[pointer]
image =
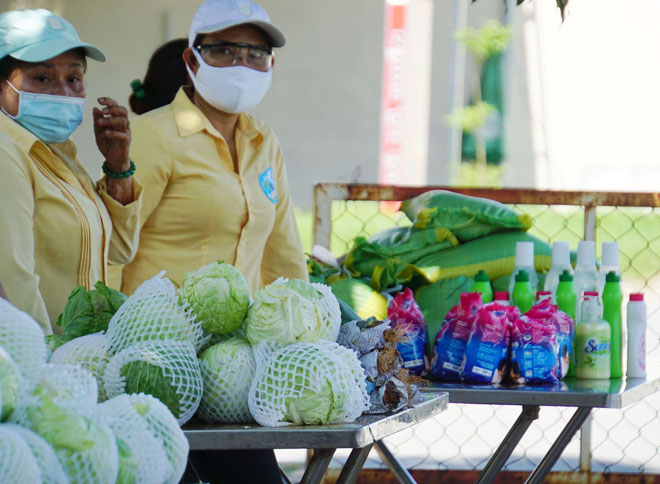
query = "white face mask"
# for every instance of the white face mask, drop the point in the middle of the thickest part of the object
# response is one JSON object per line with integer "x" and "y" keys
{"x": 233, "y": 89}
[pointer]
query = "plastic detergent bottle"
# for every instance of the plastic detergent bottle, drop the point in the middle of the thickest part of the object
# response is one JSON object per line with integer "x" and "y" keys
{"x": 524, "y": 261}
{"x": 592, "y": 340}
{"x": 523, "y": 294}
{"x": 482, "y": 285}
{"x": 636, "y": 322}
{"x": 561, "y": 261}
{"x": 502, "y": 297}
{"x": 612, "y": 299}
{"x": 609, "y": 263}
{"x": 566, "y": 302}
{"x": 586, "y": 275}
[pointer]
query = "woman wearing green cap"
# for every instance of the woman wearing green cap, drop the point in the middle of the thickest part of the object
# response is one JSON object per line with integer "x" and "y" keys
{"x": 59, "y": 228}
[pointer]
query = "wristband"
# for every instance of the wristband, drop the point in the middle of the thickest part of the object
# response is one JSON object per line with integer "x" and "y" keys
{"x": 114, "y": 174}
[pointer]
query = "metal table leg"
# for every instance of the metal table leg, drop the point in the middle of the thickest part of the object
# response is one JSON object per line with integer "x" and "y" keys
{"x": 353, "y": 466}
{"x": 503, "y": 452}
{"x": 394, "y": 464}
{"x": 317, "y": 466}
{"x": 573, "y": 425}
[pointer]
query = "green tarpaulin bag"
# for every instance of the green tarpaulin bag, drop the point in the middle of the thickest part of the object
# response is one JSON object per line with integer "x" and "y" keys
{"x": 495, "y": 254}
{"x": 361, "y": 297}
{"x": 466, "y": 217}
{"x": 387, "y": 255}
{"x": 435, "y": 301}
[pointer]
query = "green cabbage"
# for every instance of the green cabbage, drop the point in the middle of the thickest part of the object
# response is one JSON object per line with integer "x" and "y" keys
{"x": 128, "y": 463}
{"x": 228, "y": 368}
{"x": 88, "y": 312}
{"x": 313, "y": 407}
{"x": 9, "y": 379}
{"x": 143, "y": 377}
{"x": 281, "y": 315}
{"x": 218, "y": 296}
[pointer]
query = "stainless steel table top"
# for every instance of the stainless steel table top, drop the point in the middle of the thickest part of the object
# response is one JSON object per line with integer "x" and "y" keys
{"x": 366, "y": 430}
{"x": 570, "y": 392}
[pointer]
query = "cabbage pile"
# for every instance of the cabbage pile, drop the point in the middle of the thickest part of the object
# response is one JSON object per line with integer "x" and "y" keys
{"x": 52, "y": 428}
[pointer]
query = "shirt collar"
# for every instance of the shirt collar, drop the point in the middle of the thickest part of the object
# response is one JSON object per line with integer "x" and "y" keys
{"x": 26, "y": 140}
{"x": 190, "y": 120}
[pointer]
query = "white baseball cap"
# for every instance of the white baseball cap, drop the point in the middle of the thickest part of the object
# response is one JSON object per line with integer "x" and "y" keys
{"x": 216, "y": 15}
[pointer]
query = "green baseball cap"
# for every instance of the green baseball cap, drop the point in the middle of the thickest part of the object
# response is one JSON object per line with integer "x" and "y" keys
{"x": 35, "y": 35}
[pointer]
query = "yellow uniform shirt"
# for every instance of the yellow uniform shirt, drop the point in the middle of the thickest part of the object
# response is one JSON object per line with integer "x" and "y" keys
{"x": 197, "y": 209}
{"x": 58, "y": 230}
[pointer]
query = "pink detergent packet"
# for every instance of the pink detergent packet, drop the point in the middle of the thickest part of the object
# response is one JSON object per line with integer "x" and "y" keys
{"x": 487, "y": 351}
{"x": 404, "y": 313}
{"x": 451, "y": 341}
{"x": 533, "y": 351}
{"x": 549, "y": 314}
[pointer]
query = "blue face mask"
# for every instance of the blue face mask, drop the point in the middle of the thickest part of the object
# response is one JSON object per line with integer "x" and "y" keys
{"x": 50, "y": 118}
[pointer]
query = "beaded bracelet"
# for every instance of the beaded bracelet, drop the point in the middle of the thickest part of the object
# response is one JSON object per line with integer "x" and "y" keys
{"x": 114, "y": 174}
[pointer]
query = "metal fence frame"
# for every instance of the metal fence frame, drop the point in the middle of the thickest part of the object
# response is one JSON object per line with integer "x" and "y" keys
{"x": 326, "y": 193}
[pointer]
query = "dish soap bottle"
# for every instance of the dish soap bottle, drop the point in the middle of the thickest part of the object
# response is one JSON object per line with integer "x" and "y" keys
{"x": 523, "y": 294}
{"x": 566, "y": 302}
{"x": 524, "y": 261}
{"x": 561, "y": 261}
{"x": 636, "y": 322}
{"x": 592, "y": 340}
{"x": 586, "y": 275}
{"x": 482, "y": 285}
{"x": 612, "y": 298}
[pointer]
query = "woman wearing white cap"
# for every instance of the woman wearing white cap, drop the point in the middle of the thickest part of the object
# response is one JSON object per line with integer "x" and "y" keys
{"x": 59, "y": 229}
{"x": 215, "y": 185}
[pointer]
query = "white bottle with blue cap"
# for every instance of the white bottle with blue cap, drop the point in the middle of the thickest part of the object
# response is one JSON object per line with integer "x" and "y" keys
{"x": 524, "y": 261}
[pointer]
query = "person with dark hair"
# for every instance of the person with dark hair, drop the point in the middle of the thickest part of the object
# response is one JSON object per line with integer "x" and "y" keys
{"x": 515, "y": 374}
{"x": 215, "y": 182}
{"x": 165, "y": 74}
{"x": 500, "y": 373}
{"x": 59, "y": 228}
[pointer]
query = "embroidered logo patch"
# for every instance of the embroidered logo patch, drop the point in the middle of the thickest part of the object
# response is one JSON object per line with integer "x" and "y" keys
{"x": 267, "y": 183}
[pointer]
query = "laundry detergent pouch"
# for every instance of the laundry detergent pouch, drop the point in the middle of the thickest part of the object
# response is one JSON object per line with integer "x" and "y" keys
{"x": 405, "y": 315}
{"x": 451, "y": 341}
{"x": 487, "y": 350}
{"x": 548, "y": 313}
{"x": 533, "y": 351}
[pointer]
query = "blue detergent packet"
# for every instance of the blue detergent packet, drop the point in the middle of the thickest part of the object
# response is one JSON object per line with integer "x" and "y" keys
{"x": 533, "y": 352}
{"x": 451, "y": 341}
{"x": 487, "y": 351}
{"x": 549, "y": 314}
{"x": 406, "y": 316}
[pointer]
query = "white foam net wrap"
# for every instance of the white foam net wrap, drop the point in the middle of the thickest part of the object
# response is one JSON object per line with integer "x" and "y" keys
{"x": 306, "y": 383}
{"x": 91, "y": 352}
{"x": 153, "y": 313}
{"x": 23, "y": 339}
{"x": 162, "y": 425}
{"x": 10, "y": 381}
{"x": 168, "y": 370}
{"x": 153, "y": 466}
{"x": 49, "y": 466}
{"x": 17, "y": 464}
{"x": 227, "y": 368}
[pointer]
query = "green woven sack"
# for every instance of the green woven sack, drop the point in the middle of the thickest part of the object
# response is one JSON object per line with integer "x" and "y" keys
{"x": 466, "y": 217}
{"x": 387, "y": 255}
{"x": 495, "y": 254}
{"x": 361, "y": 297}
{"x": 435, "y": 301}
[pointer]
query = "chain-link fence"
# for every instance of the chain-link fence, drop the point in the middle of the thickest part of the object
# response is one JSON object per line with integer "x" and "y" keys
{"x": 465, "y": 436}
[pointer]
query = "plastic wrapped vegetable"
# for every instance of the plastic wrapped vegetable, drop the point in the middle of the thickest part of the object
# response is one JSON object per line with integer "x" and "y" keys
{"x": 218, "y": 296}
{"x": 9, "y": 381}
{"x": 168, "y": 370}
{"x": 153, "y": 313}
{"x": 227, "y": 368}
{"x": 22, "y": 337}
{"x": 307, "y": 383}
{"x": 17, "y": 464}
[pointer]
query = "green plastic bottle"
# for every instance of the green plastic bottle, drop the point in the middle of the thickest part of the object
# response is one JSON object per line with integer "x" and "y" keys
{"x": 566, "y": 302}
{"x": 482, "y": 285}
{"x": 523, "y": 294}
{"x": 612, "y": 299}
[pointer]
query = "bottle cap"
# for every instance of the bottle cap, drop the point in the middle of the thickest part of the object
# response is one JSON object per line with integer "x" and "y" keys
{"x": 524, "y": 254}
{"x": 522, "y": 276}
{"x": 586, "y": 253}
{"x": 591, "y": 293}
{"x": 566, "y": 276}
{"x": 637, "y": 296}
{"x": 501, "y": 295}
{"x": 561, "y": 253}
{"x": 481, "y": 277}
{"x": 612, "y": 277}
{"x": 540, "y": 295}
{"x": 610, "y": 256}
